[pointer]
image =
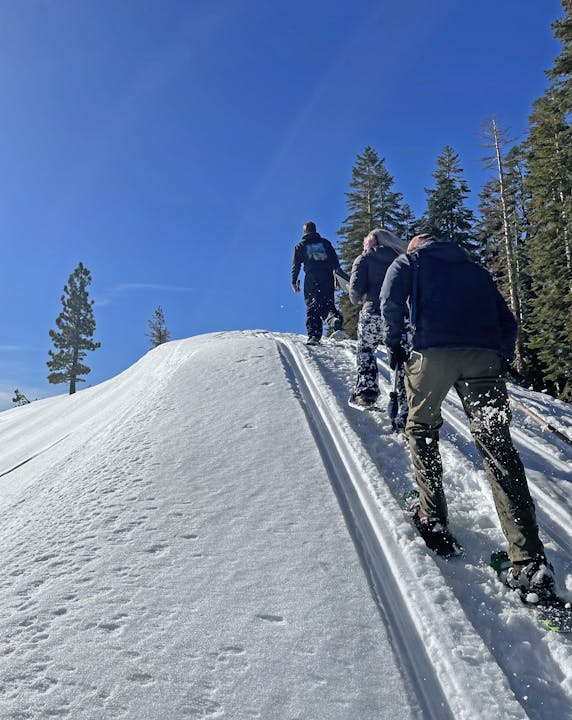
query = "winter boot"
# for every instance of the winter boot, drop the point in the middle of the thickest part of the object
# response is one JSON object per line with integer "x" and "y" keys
{"x": 399, "y": 424}
{"x": 339, "y": 335}
{"x": 436, "y": 536}
{"x": 365, "y": 399}
{"x": 534, "y": 579}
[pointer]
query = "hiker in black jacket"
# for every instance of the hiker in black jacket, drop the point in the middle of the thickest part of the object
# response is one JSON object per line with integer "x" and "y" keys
{"x": 380, "y": 248}
{"x": 319, "y": 259}
{"x": 462, "y": 335}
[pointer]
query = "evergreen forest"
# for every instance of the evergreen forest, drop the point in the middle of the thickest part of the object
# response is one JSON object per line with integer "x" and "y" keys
{"x": 521, "y": 231}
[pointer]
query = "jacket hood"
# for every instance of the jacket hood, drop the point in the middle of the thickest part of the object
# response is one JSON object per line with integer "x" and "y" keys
{"x": 312, "y": 236}
{"x": 443, "y": 251}
{"x": 400, "y": 246}
{"x": 381, "y": 254}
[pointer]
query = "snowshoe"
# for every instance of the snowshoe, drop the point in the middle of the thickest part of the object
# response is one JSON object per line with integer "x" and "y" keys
{"x": 436, "y": 536}
{"x": 398, "y": 425}
{"x": 338, "y": 335}
{"x": 533, "y": 583}
{"x": 313, "y": 341}
{"x": 365, "y": 400}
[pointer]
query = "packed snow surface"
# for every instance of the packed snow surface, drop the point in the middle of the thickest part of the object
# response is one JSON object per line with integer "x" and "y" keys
{"x": 215, "y": 533}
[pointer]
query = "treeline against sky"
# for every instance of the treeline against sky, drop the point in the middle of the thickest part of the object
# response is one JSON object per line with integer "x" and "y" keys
{"x": 521, "y": 232}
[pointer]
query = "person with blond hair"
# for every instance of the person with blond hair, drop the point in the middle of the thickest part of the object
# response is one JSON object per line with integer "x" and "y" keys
{"x": 380, "y": 248}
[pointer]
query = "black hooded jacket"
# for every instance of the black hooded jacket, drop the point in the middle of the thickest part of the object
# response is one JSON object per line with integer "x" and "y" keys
{"x": 366, "y": 279}
{"x": 319, "y": 259}
{"x": 454, "y": 302}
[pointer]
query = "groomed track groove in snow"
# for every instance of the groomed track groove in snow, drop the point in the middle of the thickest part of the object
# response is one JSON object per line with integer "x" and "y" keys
{"x": 32, "y": 457}
{"x": 440, "y": 689}
{"x": 406, "y": 641}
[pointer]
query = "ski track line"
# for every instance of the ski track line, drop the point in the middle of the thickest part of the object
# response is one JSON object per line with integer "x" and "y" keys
{"x": 32, "y": 457}
{"x": 447, "y": 683}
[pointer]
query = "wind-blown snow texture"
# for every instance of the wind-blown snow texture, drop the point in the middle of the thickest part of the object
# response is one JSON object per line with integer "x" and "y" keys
{"x": 215, "y": 533}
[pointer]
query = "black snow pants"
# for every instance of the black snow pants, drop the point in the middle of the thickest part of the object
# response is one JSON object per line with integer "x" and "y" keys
{"x": 320, "y": 308}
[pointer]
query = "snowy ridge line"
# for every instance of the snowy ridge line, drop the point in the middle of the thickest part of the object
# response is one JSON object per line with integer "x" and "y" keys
{"x": 420, "y": 630}
{"x": 106, "y": 392}
{"x": 32, "y": 457}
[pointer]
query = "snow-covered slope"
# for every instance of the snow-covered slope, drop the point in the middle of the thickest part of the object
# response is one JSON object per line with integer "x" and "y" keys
{"x": 215, "y": 533}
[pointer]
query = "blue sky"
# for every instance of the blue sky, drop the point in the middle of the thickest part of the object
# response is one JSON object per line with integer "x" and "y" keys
{"x": 175, "y": 147}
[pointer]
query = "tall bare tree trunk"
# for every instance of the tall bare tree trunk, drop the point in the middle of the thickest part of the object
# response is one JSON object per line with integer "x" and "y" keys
{"x": 509, "y": 251}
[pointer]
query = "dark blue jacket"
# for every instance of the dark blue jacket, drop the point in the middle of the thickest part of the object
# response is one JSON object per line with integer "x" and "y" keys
{"x": 319, "y": 259}
{"x": 453, "y": 302}
{"x": 367, "y": 275}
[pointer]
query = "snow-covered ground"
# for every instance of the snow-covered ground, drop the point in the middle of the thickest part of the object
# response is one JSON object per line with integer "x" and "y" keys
{"x": 215, "y": 533}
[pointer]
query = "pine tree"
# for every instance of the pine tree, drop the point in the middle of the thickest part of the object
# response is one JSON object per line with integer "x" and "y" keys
{"x": 549, "y": 183}
{"x": 372, "y": 203}
{"x": 158, "y": 329}
{"x": 408, "y": 224}
{"x": 76, "y": 326}
{"x": 490, "y": 230}
{"x": 561, "y": 71}
{"x": 447, "y": 216}
{"x": 561, "y": 92}
{"x": 493, "y": 227}
{"x": 390, "y": 212}
{"x": 495, "y": 223}
{"x": 19, "y": 398}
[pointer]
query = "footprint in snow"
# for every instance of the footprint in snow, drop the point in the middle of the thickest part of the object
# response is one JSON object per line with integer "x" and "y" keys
{"x": 157, "y": 548}
{"x": 141, "y": 678}
{"x": 271, "y": 618}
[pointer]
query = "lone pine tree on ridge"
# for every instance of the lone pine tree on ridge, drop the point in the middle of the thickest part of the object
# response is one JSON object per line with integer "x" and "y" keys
{"x": 76, "y": 326}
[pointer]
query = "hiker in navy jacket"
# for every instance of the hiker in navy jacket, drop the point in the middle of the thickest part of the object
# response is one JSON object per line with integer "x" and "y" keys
{"x": 457, "y": 303}
{"x": 380, "y": 249}
{"x": 463, "y": 332}
{"x": 319, "y": 259}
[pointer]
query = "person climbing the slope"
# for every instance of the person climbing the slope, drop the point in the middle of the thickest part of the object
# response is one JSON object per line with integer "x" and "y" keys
{"x": 462, "y": 335}
{"x": 380, "y": 248}
{"x": 319, "y": 259}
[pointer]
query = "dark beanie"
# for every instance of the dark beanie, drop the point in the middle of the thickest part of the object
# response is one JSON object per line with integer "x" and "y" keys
{"x": 309, "y": 227}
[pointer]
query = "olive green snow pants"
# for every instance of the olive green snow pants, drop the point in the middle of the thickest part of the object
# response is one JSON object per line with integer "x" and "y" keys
{"x": 475, "y": 375}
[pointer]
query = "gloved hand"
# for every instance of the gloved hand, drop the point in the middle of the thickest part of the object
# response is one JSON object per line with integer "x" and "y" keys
{"x": 509, "y": 372}
{"x": 506, "y": 366}
{"x": 396, "y": 355}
